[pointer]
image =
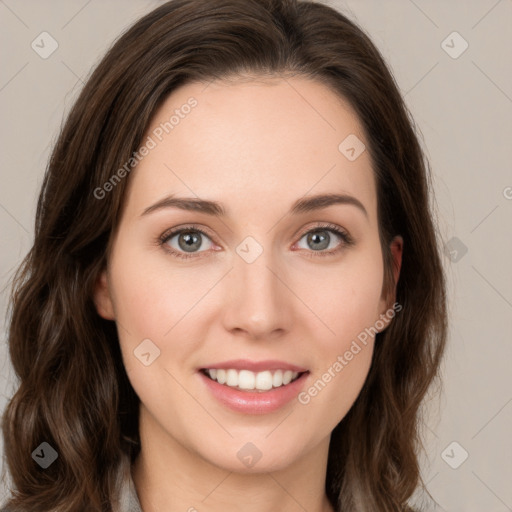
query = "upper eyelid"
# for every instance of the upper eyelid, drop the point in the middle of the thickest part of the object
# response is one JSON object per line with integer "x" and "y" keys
{"x": 188, "y": 227}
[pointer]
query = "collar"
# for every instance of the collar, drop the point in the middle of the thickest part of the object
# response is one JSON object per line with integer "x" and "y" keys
{"x": 128, "y": 498}
{"x": 133, "y": 499}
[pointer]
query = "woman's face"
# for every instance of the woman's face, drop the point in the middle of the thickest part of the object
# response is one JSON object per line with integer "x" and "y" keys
{"x": 268, "y": 291}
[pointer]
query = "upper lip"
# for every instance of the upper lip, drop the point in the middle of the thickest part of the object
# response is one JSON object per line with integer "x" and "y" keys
{"x": 255, "y": 366}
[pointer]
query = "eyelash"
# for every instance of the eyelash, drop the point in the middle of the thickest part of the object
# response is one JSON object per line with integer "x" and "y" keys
{"x": 346, "y": 238}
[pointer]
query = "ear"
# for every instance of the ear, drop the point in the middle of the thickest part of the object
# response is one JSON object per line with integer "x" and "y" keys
{"x": 396, "y": 248}
{"x": 102, "y": 297}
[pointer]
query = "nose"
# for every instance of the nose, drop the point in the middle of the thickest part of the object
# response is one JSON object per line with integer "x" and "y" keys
{"x": 259, "y": 305}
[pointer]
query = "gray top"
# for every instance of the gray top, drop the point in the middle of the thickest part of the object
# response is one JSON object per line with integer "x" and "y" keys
{"x": 133, "y": 502}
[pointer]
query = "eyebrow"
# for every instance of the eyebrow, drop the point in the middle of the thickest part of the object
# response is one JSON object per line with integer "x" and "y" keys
{"x": 302, "y": 205}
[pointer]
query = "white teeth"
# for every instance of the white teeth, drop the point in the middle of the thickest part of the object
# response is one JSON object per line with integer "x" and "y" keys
{"x": 221, "y": 376}
{"x": 277, "y": 378}
{"x": 264, "y": 381}
{"x": 232, "y": 378}
{"x": 247, "y": 380}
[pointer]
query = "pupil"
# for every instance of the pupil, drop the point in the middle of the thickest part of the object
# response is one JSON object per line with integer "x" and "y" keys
{"x": 189, "y": 241}
{"x": 316, "y": 237}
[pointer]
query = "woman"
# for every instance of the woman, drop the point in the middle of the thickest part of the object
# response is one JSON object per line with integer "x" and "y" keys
{"x": 235, "y": 297}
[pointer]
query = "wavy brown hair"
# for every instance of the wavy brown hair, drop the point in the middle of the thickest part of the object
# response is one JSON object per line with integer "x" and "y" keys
{"x": 73, "y": 391}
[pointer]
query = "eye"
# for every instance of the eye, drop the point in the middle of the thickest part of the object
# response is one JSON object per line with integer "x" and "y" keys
{"x": 319, "y": 239}
{"x": 187, "y": 240}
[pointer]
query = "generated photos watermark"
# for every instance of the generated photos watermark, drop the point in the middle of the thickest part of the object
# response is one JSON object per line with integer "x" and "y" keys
{"x": 342, "y": 361}
{"x": 151, "y": 142}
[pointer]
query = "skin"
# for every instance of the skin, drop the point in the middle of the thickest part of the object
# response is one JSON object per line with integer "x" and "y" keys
{"x": 255, "y": 146}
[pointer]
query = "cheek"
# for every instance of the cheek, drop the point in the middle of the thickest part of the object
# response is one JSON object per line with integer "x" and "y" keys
{"x": 347, "y": 300}
{"x": 151, "y": 296}
{"x": 151, "y": 304}
{"x": 342, "y": 359}
{"x": 349, "y": 309}
{"x": 333, "y": 391}
{"x": 161, "y": 303}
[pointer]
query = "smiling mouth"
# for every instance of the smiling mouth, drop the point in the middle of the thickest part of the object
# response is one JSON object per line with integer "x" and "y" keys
{"x": 246, "y": 380}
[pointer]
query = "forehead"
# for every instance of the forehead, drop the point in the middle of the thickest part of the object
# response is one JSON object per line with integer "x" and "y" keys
{"x": 248, "y": 143}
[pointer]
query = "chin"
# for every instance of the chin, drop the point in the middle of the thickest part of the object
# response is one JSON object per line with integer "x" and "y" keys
{"x": 254, "y": 457}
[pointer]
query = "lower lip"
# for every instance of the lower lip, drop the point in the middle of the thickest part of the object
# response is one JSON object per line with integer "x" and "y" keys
{"x": 254, "y": 402}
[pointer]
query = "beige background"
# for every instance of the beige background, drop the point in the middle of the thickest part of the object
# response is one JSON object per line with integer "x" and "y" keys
{"x": 463, "y": 108}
